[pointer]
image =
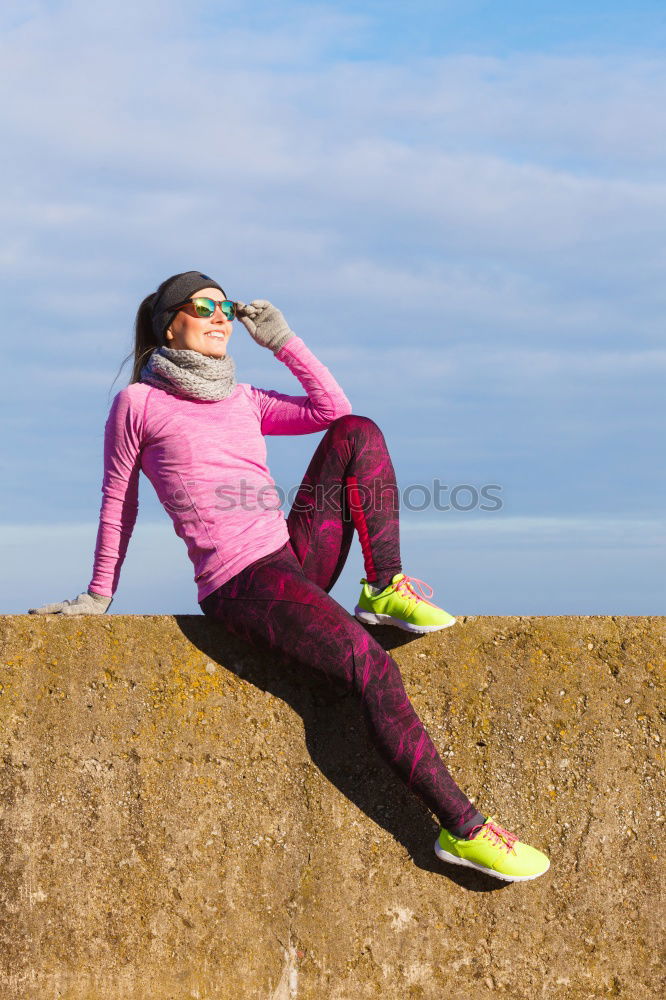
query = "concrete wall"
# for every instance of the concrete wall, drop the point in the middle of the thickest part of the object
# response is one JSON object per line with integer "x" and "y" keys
{"x": 183, "y": 818}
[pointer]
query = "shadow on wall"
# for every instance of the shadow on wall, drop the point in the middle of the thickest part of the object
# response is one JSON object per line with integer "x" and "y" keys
{"x": 338, "y": 741}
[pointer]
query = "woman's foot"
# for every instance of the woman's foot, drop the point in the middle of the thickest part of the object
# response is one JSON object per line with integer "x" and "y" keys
{"x": 493, "y": 850}
{"x": 399, "y": 604}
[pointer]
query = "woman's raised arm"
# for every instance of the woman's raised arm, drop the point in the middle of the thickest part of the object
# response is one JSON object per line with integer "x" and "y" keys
{"x": 282, "y": 414}
{"x": 325, "y": 401}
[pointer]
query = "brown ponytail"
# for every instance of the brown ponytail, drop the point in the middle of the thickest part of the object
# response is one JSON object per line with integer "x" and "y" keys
{"x": 144, "y": 338}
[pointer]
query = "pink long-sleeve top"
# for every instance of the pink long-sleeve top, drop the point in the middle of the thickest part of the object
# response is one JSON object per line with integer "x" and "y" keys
{"x": 207, "y": 463}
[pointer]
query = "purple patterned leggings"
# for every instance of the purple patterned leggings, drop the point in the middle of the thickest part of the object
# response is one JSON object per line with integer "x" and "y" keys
{"x": 282, "y": 599}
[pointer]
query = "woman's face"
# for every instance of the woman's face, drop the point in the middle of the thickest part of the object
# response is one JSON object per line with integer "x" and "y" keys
{"x": 189, "y": 332}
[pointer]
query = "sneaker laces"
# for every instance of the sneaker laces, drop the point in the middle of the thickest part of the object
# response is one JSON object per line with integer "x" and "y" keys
{"x": 405, "y": 588}
{"x": 496, "y": 834}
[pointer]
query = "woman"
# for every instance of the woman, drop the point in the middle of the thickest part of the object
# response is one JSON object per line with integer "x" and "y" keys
{"x": 199, "y": 437}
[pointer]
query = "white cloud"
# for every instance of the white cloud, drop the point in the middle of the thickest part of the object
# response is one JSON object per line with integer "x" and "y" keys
{"x": 138, "y": 152}
{"x": 147, "y": 128}
{"x": 548, "y": 106}
{"x": 458, "y": 363}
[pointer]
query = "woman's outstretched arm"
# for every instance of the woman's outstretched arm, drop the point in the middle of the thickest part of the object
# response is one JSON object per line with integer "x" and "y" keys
{"x": 120, "y": 491}
{"x": 117, "y": 515}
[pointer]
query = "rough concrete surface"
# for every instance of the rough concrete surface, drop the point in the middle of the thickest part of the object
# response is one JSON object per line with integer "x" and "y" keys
{"x": 184, "y": 817}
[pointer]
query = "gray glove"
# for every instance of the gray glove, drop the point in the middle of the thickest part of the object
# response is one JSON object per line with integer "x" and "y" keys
{"x": 86, "y": 603}
{"x": 265, "y": 324}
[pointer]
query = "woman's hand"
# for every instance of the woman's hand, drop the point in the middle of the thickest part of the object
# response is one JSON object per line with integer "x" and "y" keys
{"x": 86, "y": 603}
{"x": 264, "y": 323}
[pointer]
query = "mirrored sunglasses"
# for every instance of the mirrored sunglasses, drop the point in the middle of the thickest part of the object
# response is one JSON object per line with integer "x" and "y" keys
{"x": 205, "y": 307}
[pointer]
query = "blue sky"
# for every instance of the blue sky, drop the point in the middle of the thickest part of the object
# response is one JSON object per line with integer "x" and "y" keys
{"x": 459, "y": 206}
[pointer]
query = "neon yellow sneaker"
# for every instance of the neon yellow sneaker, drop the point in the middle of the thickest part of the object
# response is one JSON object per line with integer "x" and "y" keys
{"x": 494, "y": 851}
{"x": 399, "y": 604}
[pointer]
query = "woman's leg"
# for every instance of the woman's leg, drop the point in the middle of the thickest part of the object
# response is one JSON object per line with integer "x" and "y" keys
{"x": 274, "y": 602}
{"x": 349, "y": 483}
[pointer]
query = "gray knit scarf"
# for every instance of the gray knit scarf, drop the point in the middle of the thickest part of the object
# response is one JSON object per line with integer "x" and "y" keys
{"x": 189, "y": 374}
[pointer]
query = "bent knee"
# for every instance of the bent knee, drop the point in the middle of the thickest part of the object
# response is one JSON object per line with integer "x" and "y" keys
{"x": 353, "y": 422}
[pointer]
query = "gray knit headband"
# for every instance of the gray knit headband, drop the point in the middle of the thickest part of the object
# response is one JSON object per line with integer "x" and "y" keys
{"x": 172, "y": 292}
